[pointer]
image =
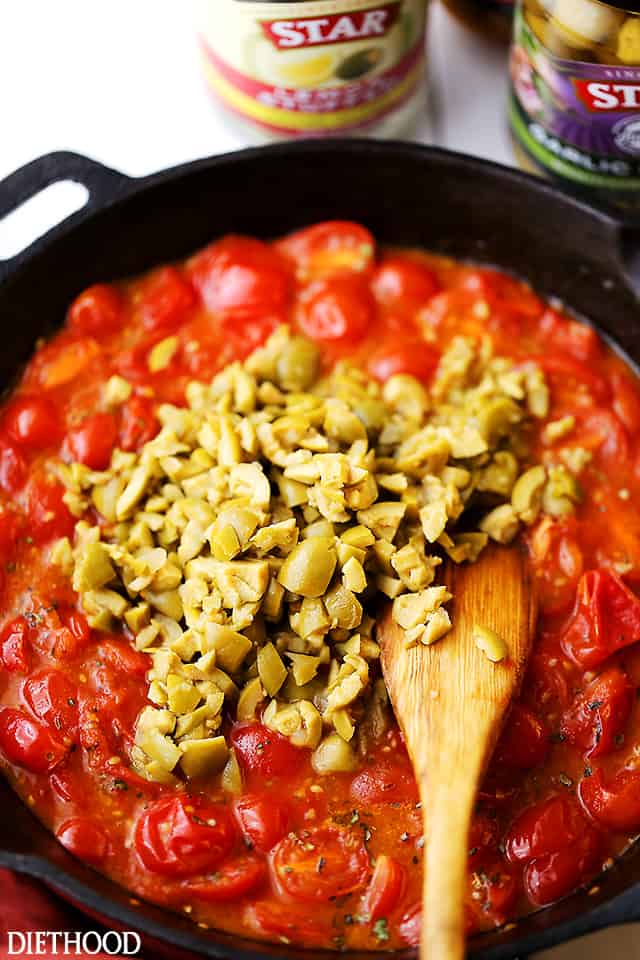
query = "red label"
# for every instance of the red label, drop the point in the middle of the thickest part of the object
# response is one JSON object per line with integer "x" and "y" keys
{"x": 601, "y": 97}
{"x": 333, "y": 28}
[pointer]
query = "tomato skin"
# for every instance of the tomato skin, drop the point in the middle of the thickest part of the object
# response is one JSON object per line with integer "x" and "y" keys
{"x": 13, "y": 467}
{"x": 240, "y": 278}
{"x": 14, "y": 646}
{"x": 139, "y": 423}
{"x": 552, "y": 877}
{"x": 92, "y": 441}
{"x": 53, "y": 700}
{"x": 340, "y": 309}
{"x": 328, "y": 247}
{"x": 97, "y": 310}
{"x": 599, "y": 713}
{"x": 32, "y": 423}
{"x": 28, "y": 744}
{"x": 404, "y": 283}
{"x": 386, "y": 782}
{"x": 121, "y": 655}
{"x": 49, "y": 516}
{"x": 263, "y": 822}
{"x": 84, "y": 839}
{"x": 614, "y": 805}
{"x": 410, "y": 926}
{"x": 483, "y": 838}
{"x": 264, "y": 752}
{"x": 544, "y": 828}
{"x": 570, "y": 336}
{"x": 605, "y": 619}
{"x": 231, "y": 881}
{"x": 601, "y": 431}
{"x": 567, "y": 369}
{"x": 273, "y": 919}
{"x": 385, "y": 889}
{"x": 190, "y": 845}
{"x": 524, "y": 743}
{"x": 493, "y": 891}
{"x": 547, "y": 680}
{"x": 417, "y": 359}
{"x": 319, "y": 864}
{"x": 167, "y": 300}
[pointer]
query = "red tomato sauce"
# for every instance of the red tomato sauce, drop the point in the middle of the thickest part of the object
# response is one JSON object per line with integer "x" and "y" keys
{"x": 321, "y": 861}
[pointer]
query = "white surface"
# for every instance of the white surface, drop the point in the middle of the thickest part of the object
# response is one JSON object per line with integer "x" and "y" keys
{"x": 118, "y": 80}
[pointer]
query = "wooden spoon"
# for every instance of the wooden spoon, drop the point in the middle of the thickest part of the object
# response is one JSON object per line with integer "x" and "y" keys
{"x": 451, "y": 702}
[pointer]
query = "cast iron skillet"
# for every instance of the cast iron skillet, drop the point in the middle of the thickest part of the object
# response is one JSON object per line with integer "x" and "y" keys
{"x": 406, "y": 195}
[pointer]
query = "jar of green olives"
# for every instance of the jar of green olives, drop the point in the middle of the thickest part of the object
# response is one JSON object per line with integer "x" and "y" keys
{"x": 575, "y": 94}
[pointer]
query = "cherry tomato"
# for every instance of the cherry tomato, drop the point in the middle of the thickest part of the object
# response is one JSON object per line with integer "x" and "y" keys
{"x": 286, "y": 920}
{"x": 555, "y": 875}
{"x": 53, "y": 699}
{"x": 139, "y": 423}
{"x": 493, "y": 892}
{"x": 605, "y": 619}
{"x": 97, "y": 310}
{"x": 262, "y": 820}
{"x": 387, "y": 781}
{"x": 500, "y": 288}
{"x": 547, "y": 680}
{"x": 483, "y": 837}
{"x": 415, "y": 358}
{"x": 340, "y": 308}
{"x": 554, "y": 547}
{"x": 27, "y": 743}
{"x": 120, "y": 654}
{"x": 570, "y": 336}
{"x": 566, "y": 373}
{"x": 404, "y": 283}
{"x": 231, "y": 881}
{"x": 240, "y": 278}
{"x": 385, "y": 889}
{"x": 329, "y": 247}
{"x": 410, "y": 926}
{"x": 524, "y": 743}
{"x": 32, "y": 423}
{"x": 320, "y": 864}
{"x": 14, "y": 646}
{"x": 62, "y": 360}
{"x": 263, "y": 752}
{"x": 13, "y": 468}
{"x": 84, "y": 839}
{"x": 544, "y": 828}
{"x": 626, "y": 401}
{"x": 61, "y": 633}
{"x": 616, "y": 804}
{"x": 600, "y": 431}
{"x": 167, "y": 299}
{"x": 10, "y": 528}
{"x": 104, "y": 737}
{"x": 183, "y": 836}
{"x": 93, "y": 440}
{"x": 599, "y": 713}
{"x": 49, "y": 516}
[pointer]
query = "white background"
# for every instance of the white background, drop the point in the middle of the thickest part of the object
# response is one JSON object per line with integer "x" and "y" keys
{"x": 118, "y": 80}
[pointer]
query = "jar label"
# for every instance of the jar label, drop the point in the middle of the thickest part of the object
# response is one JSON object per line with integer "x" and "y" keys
{"x": 312, "y": 67}
{"x": 580, "y": 121}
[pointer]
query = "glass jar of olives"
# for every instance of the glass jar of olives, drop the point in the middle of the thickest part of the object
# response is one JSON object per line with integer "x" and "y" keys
{"x": 289, "y": 68}
{"x": 492, "y": 18}
{"x": 575, "y": 95}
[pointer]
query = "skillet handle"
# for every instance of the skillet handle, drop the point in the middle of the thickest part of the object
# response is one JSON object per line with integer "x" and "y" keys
{"x": 103, "y": 184}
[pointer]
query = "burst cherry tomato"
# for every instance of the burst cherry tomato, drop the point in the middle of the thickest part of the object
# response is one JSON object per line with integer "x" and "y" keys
{"x": 552, "y": 877}
{"x": 404, "y": 283}
{"x": 340, "y": 308}
{"x": 524, "y": 743}
{"x": 416, "y": 358}
{"x": 139, "y": 423}
{"x": 53, "y": 700}
{"x": 49, "y": 516}
{"x": 286, "y": 920}
{"x": 263, "y": 752}
{"x": 327, "y": 248}
{"x": 97, "y": 310}
{"x": 493, "y": 892}
{"x": 387, "y": 781}
{"x": 483, "y": 837}
{"x": 240, "y": 279}
{"x": 544, "y": 828}
{"x": 184, "y": 836}
{"x": 93, "y": 440}
{"x": 599, "y": 713}
{"x": 385, "y": 890}
{"x": 616, "y": 804}
{"x": 13, "y": 467}
{"x": 231, "y": 881}
{"x": 84, "y": 839}
{"x": 263, "y": 821}
{"x": 605, "y": 619}
{"x": 570, "y": 336}
{"x": 14, "y": 646}
{"x": 32, "y": 423}
{"x": 410, "y": 926}
{"x": 167, "y": 300}
{"x": 320, "y": 864}
{"x": 27, "y": 743}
